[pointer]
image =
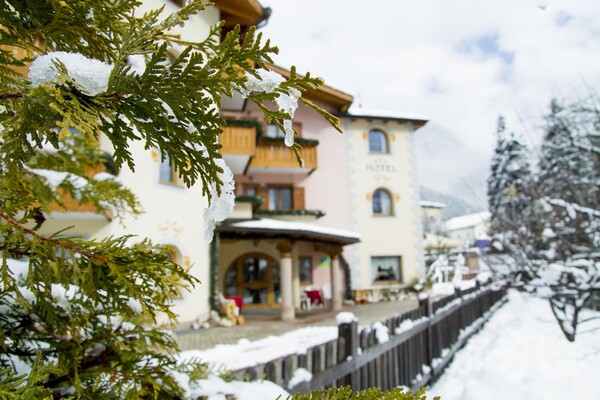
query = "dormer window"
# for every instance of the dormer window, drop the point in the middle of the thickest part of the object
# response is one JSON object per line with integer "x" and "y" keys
{"x": 378, "y": 141}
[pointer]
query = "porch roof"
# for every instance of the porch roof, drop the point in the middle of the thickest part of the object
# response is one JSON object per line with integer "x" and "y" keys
{"x": 271, "y": 228}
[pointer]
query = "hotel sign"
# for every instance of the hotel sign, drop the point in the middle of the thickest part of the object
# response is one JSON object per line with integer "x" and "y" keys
{"x": 381, "y": 166}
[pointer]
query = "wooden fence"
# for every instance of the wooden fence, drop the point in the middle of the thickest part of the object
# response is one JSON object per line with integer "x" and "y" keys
{"x": 420, "y": 344}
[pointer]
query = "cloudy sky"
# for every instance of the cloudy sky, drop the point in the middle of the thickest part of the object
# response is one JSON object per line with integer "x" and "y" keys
{"x": 460, "y": 63}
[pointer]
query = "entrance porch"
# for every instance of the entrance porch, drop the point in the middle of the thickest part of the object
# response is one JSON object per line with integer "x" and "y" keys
{"x": 269, "y": 264}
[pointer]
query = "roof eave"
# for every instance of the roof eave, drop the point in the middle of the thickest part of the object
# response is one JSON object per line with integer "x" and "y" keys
{"x": 243, "y": 232}
{"x": 240, "y": 12}
{"x": 339, "y": 100}
{"x": 416, "y": 122}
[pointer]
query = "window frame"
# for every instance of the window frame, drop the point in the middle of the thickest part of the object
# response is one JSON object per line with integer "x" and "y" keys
{"x": 386, "y": 141}
{"x": 388, "y": 281}
{"x": 279, "y": 188}
{"x": 174, "y": 175}
{"x": 248, "y": 187}
{"x": 391, "y": 201}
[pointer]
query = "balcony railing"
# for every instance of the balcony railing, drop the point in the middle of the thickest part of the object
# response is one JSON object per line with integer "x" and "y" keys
{"x": 277, "y": 155}
{"x": 69, "y": 204}
{"x": 238, "y": 140}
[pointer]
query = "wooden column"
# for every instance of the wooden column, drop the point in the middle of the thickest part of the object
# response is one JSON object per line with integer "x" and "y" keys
{"x": 288, "y": 312}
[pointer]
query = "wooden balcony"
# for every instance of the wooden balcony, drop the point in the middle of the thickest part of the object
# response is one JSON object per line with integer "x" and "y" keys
{"x": 75, "y": 218}
{"x": 21, "y": 54}
{"x": 272, "y": 156}
{"x": 69, "y": 204}
{"x": 238, "y": 140}
{"x": 238, "y": 144}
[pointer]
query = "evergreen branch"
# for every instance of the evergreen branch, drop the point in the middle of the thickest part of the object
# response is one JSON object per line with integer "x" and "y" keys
{"x": 88, "y": 363}
{"x": 67, "y": 246}
{"x": 11, "y": 95}
{"x": 333, "y": 120}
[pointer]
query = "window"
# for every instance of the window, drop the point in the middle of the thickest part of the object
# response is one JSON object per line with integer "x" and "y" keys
{"x": 280, "y": 198}
{"x": 378, "y": 142}
{"x": 250, "y": 190}
{"x": 382, "y": 202}
{"x": 255, "y": 278}
{"x": 305, "y": 264}
{"x": 168, "y": 173}
{"x": 273, "y": 130}
{"x": 385, "y": 269}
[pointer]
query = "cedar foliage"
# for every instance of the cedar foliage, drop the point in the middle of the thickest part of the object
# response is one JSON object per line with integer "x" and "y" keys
{"x": 346, "y": 393}
{"x": 78, "y": 316}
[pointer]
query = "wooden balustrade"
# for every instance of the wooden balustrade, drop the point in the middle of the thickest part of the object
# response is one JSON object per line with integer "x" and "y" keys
{"x": 238, "y": 140}
{"x": 69, "y": 204}
{"x": 278, "y": 155}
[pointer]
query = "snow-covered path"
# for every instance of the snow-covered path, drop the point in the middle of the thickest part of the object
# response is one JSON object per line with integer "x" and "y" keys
{"x": 522, "y": 354}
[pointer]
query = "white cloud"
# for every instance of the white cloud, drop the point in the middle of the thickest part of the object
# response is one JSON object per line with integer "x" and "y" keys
{"x": 461, "y": 63}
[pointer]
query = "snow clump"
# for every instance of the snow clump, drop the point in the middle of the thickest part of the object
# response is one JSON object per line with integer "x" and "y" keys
{"x": 381, "y": 332}
{"x": 300, "y": 375}
{"x": 55, "y": 178}
{"x": 91, "y": 75}
{"x": 268, "y": 82}
{"x": 345, "y": 318}
{"x": 221, "y": 205}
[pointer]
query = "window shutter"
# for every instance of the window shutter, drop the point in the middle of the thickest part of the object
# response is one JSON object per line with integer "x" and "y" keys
{"x": 298, "y": 200}
{"x": 298, "y": 127}
{"x": 264, "y": 193}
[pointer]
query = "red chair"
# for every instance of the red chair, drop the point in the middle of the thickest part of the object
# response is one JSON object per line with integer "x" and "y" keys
{"x": 315, "y": 297}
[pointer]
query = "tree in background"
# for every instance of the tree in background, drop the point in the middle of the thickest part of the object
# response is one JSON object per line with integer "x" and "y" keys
{"x": 79, "y": 317}
{"x": 553, "y": 231}
{"x": 508, "y": 188}
{"x": 568, "y": 167}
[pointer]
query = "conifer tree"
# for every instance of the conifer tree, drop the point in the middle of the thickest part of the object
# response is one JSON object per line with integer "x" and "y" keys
{"x": 78, "y": 317}
{"x": 553, "y": 233}
{"x": 509, "y": 181}
{"x": 567, "y": 167}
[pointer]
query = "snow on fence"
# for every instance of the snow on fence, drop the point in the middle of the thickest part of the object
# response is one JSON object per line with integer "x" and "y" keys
{"x": 411, "y": 349}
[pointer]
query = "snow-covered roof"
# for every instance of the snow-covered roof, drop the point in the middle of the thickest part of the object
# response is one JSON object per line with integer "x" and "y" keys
{"x": 386, "y": 114}
{"x": 432, "y": 204}
{"x": 467, "y": 221}
{"x": 432, "y": 241}
{"x": 273, "y": 227}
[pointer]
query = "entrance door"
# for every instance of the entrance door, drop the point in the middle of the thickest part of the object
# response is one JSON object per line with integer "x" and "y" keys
{"x": 255, "y": 278}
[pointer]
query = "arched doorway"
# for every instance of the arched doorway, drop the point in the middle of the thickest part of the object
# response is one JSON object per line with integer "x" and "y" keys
{"x": 255, "y": 278}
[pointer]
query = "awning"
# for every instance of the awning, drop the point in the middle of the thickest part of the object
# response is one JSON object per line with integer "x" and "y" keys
{"x": 271, "y": 228}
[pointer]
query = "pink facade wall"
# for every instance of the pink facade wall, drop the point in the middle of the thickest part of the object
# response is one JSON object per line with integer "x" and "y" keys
{"x": 326, "y": 189}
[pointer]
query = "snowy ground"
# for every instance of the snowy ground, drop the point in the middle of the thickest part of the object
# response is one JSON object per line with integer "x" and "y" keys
{"x": 520, "y": 354}
{"x": 247, "y": 354}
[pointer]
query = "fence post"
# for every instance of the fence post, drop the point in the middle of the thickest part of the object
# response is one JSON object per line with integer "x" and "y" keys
{"x": 425, "y": 305}
{"x": 461, "y": 311}
{"x": 349, "y": 332}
